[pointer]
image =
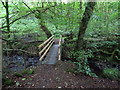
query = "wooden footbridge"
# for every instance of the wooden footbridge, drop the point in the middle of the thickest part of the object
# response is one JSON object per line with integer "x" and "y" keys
{"x": 49, "y": 51}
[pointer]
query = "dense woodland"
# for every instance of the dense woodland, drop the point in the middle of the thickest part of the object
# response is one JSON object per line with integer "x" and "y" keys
{"x": 89, "y": 30}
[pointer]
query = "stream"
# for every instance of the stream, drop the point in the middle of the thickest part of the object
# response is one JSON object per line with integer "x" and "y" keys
{"x": 18, "y": 62}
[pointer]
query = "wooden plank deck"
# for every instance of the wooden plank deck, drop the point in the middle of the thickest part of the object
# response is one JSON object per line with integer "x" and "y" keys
{"x": 52, "y": 55}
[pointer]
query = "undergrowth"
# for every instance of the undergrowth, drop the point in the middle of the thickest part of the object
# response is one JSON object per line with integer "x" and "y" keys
{"x": 103, "y": 51}
{"x": 81, "y": 61}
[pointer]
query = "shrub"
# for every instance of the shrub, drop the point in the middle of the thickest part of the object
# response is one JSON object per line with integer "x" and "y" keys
{"x": 111, "y": 73}
{"x": 18, "y": 74}
{"x": 28, "y": 71}
{"x": 7, "y": 81}
{"x": 82, "y": 62}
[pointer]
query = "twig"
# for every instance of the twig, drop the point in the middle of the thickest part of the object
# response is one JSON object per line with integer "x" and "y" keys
{"x": 28, "y": 7}
{"x": 17, "y": 19}
{"x": 33, "y": 11}
{"x": 19, "y": 50}
{"x": 33, "y": 41}
{"x": 8, "y": 32}
{"x": 3, "y": 3}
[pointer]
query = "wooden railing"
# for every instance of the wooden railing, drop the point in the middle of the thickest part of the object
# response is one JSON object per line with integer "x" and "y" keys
{"x": 45, "y": 47}
{"x": 59, "y": 48}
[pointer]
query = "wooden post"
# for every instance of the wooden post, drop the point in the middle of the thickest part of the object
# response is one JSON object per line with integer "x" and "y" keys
{"x": 59, "y": 49}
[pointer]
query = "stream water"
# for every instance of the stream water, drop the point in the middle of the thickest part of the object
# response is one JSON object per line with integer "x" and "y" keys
{"x": 19, "y": 62}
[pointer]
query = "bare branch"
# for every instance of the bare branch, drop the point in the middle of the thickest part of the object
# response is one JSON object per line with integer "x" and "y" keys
{"x": 16, "y": 20}
{"x": 29, "y": 8}
{"x": 16, "y": 6}
{"x": 48, "y": 8}
{"x": 28, "y": 14}
{"x": 9, "y": 18}
{"x": 3, "y": 3}
{"x": 20, "y": 50}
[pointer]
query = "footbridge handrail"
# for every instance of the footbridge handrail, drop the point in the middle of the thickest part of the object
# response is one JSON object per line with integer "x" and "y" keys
{"x": 59, "y": 48}
{"x": 45, "y": 47}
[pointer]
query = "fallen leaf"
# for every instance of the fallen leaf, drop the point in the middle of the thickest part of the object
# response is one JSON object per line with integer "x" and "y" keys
{"x": 43, "y": 86}
{"x": 33, "y": 85}
{"x": 17, "y": 83}
{"x": 23, "y": 79}
{"x": 55, "y": 68}
{"x": 81, "y": 87}
{"x": 59, "y": 87}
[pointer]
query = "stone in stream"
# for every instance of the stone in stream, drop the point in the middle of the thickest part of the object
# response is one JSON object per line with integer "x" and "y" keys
{"x": 35, "y": 61}
{"x": 32, "y": 63}
{"x": 15, "y": 63}
{"x": 35, "y": 64}
{"x": 30, "y": 60}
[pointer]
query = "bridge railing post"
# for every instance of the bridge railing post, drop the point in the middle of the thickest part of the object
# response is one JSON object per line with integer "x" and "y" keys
{"x": 59, "y": 48}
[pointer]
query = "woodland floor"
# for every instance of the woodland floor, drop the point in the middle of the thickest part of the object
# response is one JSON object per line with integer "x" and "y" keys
{"x": 56, "y": 76}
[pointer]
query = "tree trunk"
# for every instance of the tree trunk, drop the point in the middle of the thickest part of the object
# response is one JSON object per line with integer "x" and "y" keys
{"x": 80, "y": 4}
{"x": 8, "y": 23}
{"x": 83, "y": 24}
{"x": 7, "y": 18}
{"x": 42, "y": 25}
{"x": 45, "y": 29}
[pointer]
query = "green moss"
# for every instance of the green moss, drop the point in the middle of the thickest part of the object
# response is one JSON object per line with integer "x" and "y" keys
{"x": 111, "y": 73}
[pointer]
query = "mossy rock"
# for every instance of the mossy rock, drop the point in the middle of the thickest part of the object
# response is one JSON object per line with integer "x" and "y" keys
{"x": 28, "y": 71}
{"x": 7, "y": 81}
{"x": 111, "y": 73}
{"x": 18, "y": 74}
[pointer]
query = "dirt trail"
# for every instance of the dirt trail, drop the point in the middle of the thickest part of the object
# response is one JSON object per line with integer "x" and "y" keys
{"x": 55, "y": 76}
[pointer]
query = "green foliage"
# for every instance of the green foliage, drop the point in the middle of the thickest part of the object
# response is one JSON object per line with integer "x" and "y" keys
{"x": 18, "y": 74}
{"x": 63, "y": 19}
{"x": 23, "y": 79}
{"x": 23, "y": 26}
{"x": 104, "y": 22}
{"x": 82, "y": 62}
{"x": 7, "y": 81}
{"x": 103, "y": 44}
{"x": 71, "y": 45}
{"x": 111, "y": 73}
{"x": 105, "y": 50}
{"x": 28, "y": 71}
{"x": 25, "y": 71}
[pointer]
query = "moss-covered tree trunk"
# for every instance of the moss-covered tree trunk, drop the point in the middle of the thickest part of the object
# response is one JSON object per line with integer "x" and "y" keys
{"x": 83, "y": 24}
